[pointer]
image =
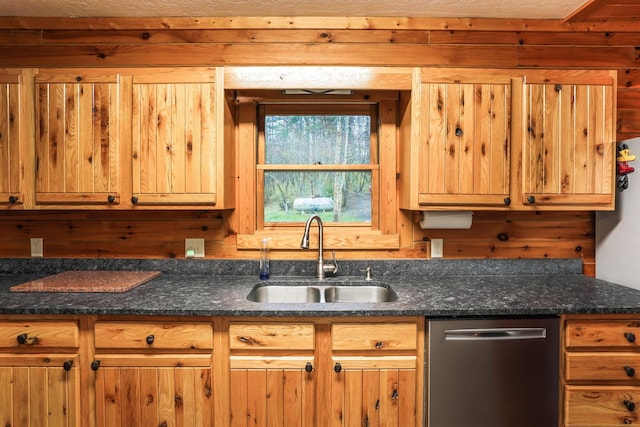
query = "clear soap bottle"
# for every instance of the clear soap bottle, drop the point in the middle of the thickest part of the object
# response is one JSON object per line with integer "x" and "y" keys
{"x": 264, "y": 259}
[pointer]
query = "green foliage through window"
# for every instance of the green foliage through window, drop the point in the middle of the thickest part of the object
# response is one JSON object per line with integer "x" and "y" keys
{"x": 300, "y": 151}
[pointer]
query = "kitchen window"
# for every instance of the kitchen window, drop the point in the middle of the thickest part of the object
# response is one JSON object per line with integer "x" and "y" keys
{"x": 326, "y": 154}
{"x": 317, "y": 159}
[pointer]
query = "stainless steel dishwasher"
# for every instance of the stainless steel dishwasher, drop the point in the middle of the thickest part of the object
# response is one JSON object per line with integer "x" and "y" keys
{"x": 493, "y": 373}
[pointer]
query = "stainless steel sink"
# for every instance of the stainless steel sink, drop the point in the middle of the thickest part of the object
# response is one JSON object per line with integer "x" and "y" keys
{"x": 312, "y": 291}
{"x": 359, "y": 294}
{"x": 284, "y": 294}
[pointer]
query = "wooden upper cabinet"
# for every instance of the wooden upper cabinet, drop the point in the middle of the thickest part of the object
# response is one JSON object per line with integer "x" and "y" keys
{"x": 460, "y": 154}
{"x": 567, "y": 141}
{"x": 77, "y": 119}
{"x": 12, "y": 172}
{"x": 131, "y": 138}
{"x": 177, "y": 138}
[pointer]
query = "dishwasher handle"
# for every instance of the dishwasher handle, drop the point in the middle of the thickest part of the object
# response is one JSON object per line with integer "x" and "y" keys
{"x": 488, "y": 334}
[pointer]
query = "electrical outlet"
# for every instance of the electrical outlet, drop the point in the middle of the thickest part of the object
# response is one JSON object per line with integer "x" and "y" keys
{"x": 36, "y": 247}
{"x": 437, "y": 246}
{"x": 194, "y": 248}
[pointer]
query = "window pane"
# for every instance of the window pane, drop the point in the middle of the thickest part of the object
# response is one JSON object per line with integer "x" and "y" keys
{"x": 317, "y": 139}
{"x": 336, "y": 196}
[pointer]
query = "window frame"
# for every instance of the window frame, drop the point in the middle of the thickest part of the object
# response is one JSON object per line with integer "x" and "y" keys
{"x": 380, "y": 235}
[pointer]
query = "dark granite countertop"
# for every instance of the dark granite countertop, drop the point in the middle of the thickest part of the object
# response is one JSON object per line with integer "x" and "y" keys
{"x": 425, "y": 287}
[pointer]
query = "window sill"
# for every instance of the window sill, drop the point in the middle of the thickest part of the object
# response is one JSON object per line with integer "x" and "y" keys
{"x": 338, "y": 238}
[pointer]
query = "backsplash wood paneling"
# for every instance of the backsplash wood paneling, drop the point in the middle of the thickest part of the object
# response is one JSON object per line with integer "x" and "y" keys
{"x": 152, "y": 234}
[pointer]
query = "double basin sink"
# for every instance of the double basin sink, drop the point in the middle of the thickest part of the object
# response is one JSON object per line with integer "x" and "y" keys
{"x": 317, "y": 291}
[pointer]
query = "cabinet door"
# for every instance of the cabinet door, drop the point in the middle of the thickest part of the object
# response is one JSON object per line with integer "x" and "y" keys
{"x": 374, "y": 391}
{"x": 176, "y": 143}
{"x": 374, "y": 374}
{"x": 11, "y": 158}
{"x": 272, "y": 374}
{"x": 568, "y": 139}
{"x": 464, "y": 145}
{"x": 39, "y": 390}
{"x": 148, "y": 390}
{"x": 77, "y": 138}
{"x": 272, "y": 391}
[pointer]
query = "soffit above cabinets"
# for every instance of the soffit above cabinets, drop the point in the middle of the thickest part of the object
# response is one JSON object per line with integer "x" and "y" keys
{"x": 530, "y": 9}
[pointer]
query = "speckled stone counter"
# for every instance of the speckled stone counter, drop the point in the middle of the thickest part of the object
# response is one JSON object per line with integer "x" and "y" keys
{"x": 432, "y": 288}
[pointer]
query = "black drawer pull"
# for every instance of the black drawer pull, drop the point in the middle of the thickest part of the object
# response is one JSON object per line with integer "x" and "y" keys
{"x": 337, "y": 368}
{"x": 95, "y": 365}
{"x": 308, "y": 367}
{"x": 67, "y": 365}
{"x": 150, "y": 339}
{"x": 22, "y": 338}
{"x": 629, "y": 370}
{"x": 630, "y": 336}
{"x": 629, "y": 405}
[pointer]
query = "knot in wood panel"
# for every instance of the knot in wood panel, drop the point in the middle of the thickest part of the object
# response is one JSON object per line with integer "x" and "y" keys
{"x": 249, "y": 340}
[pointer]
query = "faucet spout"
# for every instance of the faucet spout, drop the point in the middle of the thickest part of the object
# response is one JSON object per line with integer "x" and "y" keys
{"x": 321, "y": 268}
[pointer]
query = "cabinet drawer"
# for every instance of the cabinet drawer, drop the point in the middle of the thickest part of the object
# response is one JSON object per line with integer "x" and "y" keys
{"x": 375, "y": 336}
{"x": 601, "y": 406}
{"x": 156, "y": 335}
{"x": 601, "y": 366}
{"x": 39, "y": 334}
{"x": 275, "y": 336}
{"x": 603, "y": 333}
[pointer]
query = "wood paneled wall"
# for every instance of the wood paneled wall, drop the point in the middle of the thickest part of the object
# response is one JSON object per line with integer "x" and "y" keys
{"x": 44, "y": 42}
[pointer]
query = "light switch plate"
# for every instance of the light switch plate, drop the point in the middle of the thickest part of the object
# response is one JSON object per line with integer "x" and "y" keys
{"x": 437, "y": 247}
{"x": 194, "y": 248}
{"x": 36, "y": 247}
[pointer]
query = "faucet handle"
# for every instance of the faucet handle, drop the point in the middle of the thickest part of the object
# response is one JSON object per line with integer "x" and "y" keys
{"x": 328, "y": 268}
{"x": 368, "y": 273}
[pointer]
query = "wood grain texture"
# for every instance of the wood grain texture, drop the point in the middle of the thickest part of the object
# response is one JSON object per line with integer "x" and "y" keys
{"x": 302, "y": 41}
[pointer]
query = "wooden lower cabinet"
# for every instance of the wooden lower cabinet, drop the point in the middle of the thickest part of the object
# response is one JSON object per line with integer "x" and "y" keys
{"x": 326, "y": 372}
{"x": 164, "y": 393}
{"x": 39, "y": 373}
{"x": 155, "y": 372}
{"x": 281, "y": 394}
{"x": 366, "y": 393}
{"x": 129, "y": 371}
{"x": 601, "y": 406}
{"x": 39, "y": 390}
{"x": 601, "y": 375}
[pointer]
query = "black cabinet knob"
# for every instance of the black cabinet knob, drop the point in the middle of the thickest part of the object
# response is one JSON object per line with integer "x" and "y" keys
{"x": 337, "y": 367}
{"x": 22, "y": 338}
{"x": 308, "y": 367}
{"x": 95, "y": 365}
{"x": 531, "y": 199}
{"x": 67, "y": 365}
{"x": 630, "y": 336}
{"x": 507, "y": 201}
{"x": 629, "y": 405}
{"x": 629, "y": 370}
{"x": 627, "y": 421}
{"x": 111, "y": 198}
{"x": 150, "y": 339}
{"x": 13, "y": 199}
{"x": 134, "y": 200}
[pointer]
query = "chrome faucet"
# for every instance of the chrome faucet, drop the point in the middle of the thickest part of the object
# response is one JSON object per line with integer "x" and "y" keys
{"x": 321, "y": 269}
